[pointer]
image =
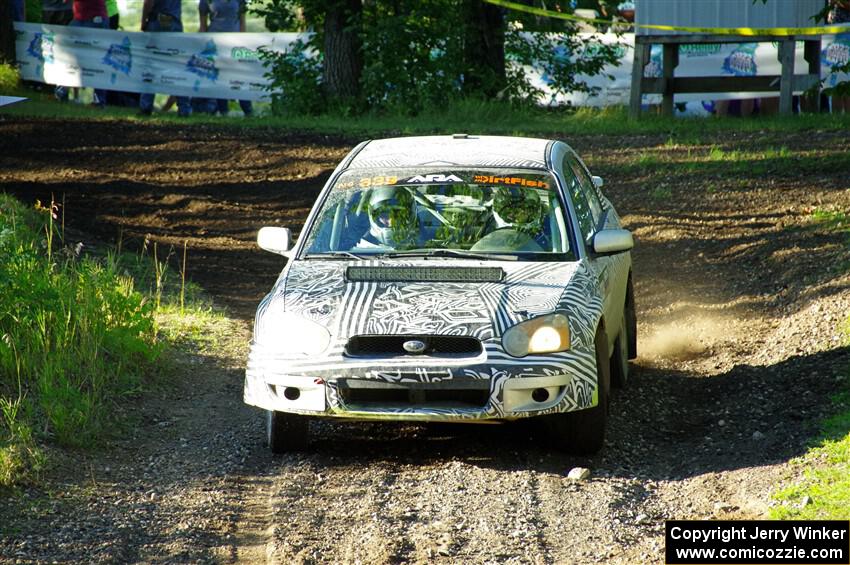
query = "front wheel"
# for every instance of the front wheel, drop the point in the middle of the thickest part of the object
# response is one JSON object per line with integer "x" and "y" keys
{"x": 286, "y": 432}
{"x": 583, "y": 432}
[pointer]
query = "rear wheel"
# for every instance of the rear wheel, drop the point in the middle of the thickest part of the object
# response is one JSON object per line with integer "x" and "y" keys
{"x": 286, "y": 432}
{"x": 620, "y": 356}
{"x": 631, "y": 319}
{"x": 583, "y": 432}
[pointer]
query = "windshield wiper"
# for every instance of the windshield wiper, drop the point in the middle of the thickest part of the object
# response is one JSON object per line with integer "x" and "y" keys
{"x": 335, "y": 255}
{"x": 452, "y": 253}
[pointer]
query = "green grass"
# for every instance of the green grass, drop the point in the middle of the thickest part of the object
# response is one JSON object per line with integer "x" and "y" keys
{"x": 471, "y": 116}
{"x": 824, "y": 491}
{"x": 832, "y": 219}
{"x": 79, "y": 335}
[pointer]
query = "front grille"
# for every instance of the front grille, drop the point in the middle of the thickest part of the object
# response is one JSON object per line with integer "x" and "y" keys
{"x": 393, "y": 345}
{"x": 446, "y": 394}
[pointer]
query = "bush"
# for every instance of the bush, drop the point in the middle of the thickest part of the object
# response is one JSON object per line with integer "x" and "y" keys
{"x": 9, "y": 78}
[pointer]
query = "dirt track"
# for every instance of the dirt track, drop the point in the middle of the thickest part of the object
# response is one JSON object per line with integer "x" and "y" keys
{"x": 739, "y": 295}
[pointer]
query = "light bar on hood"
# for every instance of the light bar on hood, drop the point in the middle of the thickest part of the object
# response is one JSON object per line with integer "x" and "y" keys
{"x": 425, "y": 274}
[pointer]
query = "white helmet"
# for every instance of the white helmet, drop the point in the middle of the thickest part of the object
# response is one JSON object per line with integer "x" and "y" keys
{"x": 392, "y": 215}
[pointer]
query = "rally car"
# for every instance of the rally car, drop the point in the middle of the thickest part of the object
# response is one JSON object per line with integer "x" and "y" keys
{"x": 449, "y": 278}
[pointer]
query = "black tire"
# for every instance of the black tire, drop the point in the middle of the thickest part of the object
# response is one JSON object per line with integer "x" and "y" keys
{"x": 583, "y": 432}
{"x": 620, "y": 356}
{"x": 631, "y": 319}
{"x": 287, "y": 432}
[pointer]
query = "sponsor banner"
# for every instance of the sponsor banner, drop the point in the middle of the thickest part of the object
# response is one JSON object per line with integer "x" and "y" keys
{"x": 226, "y": 65}
{"x": 214, "y": 65}
{"x": 697, "y": 60}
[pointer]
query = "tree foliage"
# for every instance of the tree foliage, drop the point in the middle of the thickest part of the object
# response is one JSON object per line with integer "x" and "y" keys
{"x": 412, "y": 55}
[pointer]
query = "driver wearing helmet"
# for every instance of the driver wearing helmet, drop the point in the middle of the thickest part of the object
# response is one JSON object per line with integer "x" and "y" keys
{"x": 516, "y": 224}
{"x": 519, "y": 209}
{"x": 392, "y": 218}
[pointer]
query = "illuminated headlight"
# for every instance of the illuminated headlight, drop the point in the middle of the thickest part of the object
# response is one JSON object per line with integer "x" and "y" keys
{"x": 290, "y": 334}
{"x": 544, "y": 334}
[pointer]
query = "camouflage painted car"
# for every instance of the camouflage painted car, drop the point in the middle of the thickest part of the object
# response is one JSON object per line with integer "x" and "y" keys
{"x": 454, "y": 278}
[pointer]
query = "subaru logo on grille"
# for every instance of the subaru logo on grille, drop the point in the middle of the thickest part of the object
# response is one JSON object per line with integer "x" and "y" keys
{"x": 414, "y": 346}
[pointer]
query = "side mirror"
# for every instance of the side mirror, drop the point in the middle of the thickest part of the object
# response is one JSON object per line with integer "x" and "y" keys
{"x": 597, "y": 181}
{"x": 608, "y": 242}
{"x": 276, "y": 240}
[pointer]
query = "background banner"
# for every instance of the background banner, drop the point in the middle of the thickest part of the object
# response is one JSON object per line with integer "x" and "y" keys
{"x": 227, "y": 65}
{"x": 700, "y": 60}
{"x": 211, "y": 65}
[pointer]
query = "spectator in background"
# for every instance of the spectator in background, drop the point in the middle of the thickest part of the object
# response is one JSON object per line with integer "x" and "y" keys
{"x": 112, "y": 13}
{"x": 162, "y": 15}
{"x": 19, "y": 11}
{"x": 223, "y": 16}
{"x": 57, "y": 12}
{"x": 839, "y": 13}
{"x": 88, "y": 13}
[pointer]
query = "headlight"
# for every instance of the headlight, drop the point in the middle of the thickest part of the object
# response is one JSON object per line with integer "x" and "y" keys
{"x": 544, "y": 334}
{"x": 290, "y": 334}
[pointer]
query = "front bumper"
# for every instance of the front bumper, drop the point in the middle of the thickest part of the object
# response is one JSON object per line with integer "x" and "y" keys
{"x": 490, "y": 386}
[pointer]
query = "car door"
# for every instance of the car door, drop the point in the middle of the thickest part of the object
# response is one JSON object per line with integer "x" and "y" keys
{"x": 591, "y": 218}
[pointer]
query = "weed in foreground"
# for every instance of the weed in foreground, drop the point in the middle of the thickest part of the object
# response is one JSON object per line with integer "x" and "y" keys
{"x": 77, "y": 336}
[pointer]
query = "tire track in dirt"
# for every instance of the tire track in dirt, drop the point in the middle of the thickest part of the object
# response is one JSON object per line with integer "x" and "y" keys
{"x": 331, "y": 514}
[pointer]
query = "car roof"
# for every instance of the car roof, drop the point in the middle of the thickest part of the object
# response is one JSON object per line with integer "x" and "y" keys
{"x": 459, "y": 150}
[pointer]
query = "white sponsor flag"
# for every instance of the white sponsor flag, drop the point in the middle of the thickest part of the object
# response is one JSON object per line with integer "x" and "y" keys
{"x": 209, "y": 65}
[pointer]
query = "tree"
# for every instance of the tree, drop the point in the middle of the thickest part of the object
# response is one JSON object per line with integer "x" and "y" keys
{"x": 408, "y": 55}
{"x": 484, "y": 49}
{"x": 343, "y": 57}
{"x": 7, "y": 33}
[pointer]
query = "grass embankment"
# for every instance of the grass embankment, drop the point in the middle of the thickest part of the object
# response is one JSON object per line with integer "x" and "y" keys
{"x": 824, "y": 491}
{"x": 79, "y": 334}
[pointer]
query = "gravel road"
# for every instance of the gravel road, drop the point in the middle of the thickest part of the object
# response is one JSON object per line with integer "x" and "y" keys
{"x": 740, "y": 297}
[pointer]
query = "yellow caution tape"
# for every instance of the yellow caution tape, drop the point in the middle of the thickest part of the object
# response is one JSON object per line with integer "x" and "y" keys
{"x": 778, "y": 31}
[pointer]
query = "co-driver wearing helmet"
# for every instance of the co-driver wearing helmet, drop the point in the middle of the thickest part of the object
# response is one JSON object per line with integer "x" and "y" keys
{"x": 392, "y": 219}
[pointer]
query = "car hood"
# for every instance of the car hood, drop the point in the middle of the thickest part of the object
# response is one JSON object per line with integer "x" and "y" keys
{"x": 459, "y": 297}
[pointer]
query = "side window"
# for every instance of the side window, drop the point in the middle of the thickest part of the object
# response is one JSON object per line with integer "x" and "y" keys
{"x": 588, "y": 188}
{"x": 576, "y": 192}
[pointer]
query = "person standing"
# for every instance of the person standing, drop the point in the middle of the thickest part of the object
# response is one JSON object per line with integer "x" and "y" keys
{"x": 88, "y": 13}
{"x": 112, "y": 13}
{"x": 839, "y": 13}
{"x": 162, "y": 15}
{"x": 19, "y": 11}
{"x": 57, "y": 12}
{"x": 224, "y": 16}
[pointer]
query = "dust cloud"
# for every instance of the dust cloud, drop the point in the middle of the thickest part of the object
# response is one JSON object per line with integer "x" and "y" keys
{"x": 687, "y": 337}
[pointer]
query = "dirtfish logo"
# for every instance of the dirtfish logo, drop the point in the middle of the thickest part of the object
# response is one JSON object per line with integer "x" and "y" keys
{"x": 244, "y": 54}
{"x": 203, "y": 63}
{"x": 119, "y": 56}
{"x": 41, "y": 47}
{"x": 742, "y": 61}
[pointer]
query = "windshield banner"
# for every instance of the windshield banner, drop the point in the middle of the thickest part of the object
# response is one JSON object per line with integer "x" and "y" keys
{"x": 213, "y": 65}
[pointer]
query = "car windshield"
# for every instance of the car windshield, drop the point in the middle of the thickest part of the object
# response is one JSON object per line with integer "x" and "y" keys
{"x": 488, "y": 214}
